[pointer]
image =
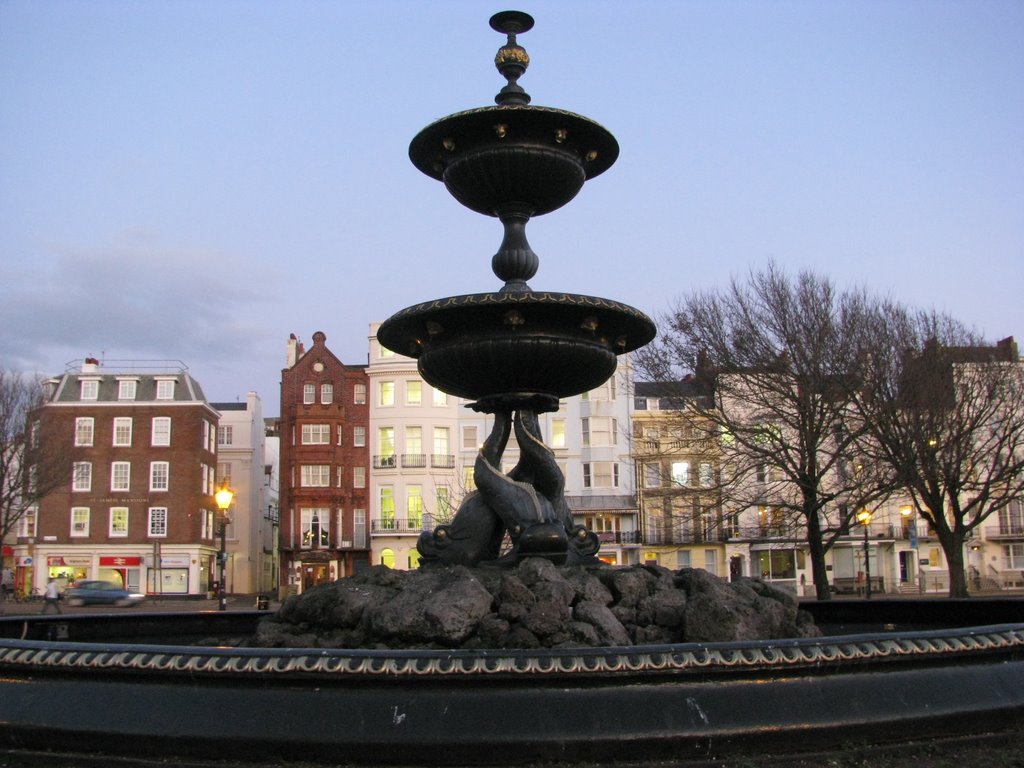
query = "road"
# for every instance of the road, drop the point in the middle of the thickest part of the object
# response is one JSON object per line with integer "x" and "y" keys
{"x": 150, "y": 604}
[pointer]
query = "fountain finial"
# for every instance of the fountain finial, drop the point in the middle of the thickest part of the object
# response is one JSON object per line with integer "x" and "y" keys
{"x": 512, "y": 59}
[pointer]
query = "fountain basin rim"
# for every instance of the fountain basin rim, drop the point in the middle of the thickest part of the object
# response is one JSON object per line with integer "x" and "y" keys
{"x": 738, "y": 657}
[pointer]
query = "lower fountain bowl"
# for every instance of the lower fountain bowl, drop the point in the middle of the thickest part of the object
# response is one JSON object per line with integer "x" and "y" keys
{"x": 930, "y": 674}
{"x": 483, "y": 345}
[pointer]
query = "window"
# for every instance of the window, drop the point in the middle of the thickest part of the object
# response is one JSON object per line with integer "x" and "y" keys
{"x": 159, "y": 475}
{"x": 315, "y": 475}
{"x": 359, "y": 394}
{"x": 308, "y": 394}
{"x": 706, "y": 475}
{"x": 387, "y": 557}
{"x": 315, "y": 527}
{"x": 681, "y": 472}
{"x": 126, "y": 389}
{"x": 469, "y": 438}
{"x": 414, "y": 441}
{"x": 79, "y": 521}
{"x": 359, "y": 437}
{"x": 326, "y": 394}
{"x": 652, "y": 475}
{"x": 601, "y": 474}
{"x": 585, "y": 428}
{"x": 414, "y": 507}
{"x": 358, "y": 477}
{"x": 123, "y": 430}
{"x": 84, "y": 430}
{"x": 359, "y": 527}
{"x": 387, "y": 393}
{"x": 27, "y": 524}
{"x": 414, "y": 393}
{"x": 120, "y": 475}
{"x": 165, "y": 389}
{"x": 316, "y": 434}
{"x": 468, "y": 478}
{"x": 558, "y": 433}
{"x": 387, "y": 509}
{"x": 339, "y": 475}
{"x": 225, "y": 435}
{"x": 119, "y": 521}
{"x": 443, "y": 504}
{"x": 224, "y": 472}
{"x": 385, "y": 447}
{"x": 440, "y": 398}
{"x": 602, "y": 432}
{"x": 157, "y": 521}
{"x": 82, "y": 476}
{"x": 161, "y": 430}
{"x": 90, "y": 389}
{"x": 711, "y": 561}
{"x": 442, "y": 447}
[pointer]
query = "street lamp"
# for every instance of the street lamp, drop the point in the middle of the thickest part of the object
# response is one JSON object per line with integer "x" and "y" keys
{"x": 224, "y": 496}
{"x": 864, "y": 517}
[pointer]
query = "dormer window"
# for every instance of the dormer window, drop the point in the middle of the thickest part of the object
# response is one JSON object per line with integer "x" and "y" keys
{"x": 126, "y": 389}
{"x": 90, "y": 389}
{"x": 165, "y": 389}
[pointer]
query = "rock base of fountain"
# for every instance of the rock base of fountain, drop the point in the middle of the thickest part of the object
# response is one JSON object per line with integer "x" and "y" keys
{"x": 534, "y": 605}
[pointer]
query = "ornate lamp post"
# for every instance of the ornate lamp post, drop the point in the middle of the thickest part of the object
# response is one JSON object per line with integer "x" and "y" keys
{"x": 224, "y": 496}
{"x": 864, "y": 517}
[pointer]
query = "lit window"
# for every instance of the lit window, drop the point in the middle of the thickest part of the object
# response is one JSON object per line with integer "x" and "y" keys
{"x": 119, "y": 521}
{"x": 120, "y": 475}
{"x": 414, "y": 507}
{"x": 387, "y": 557}
{"x": 83, "y": 430}
{"x": 681, "y": 472}
{"x": 315, "y": 527}
{"x": 387, "y": 509}
{"x": 387, "y": 393}
{"x": 123, "y": 430}
{"x": 159, "y": 475}
{"x": 440, "y": 398}
{"x": 558, "y": 433}
{"x": 79, "y": 521}
{"x": 414, "y": 393}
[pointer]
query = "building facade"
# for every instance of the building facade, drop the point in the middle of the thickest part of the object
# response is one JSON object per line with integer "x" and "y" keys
{"x": 137, "y": 508}
{"x": 324, "y": 460}
{"x": 242, "y": 463}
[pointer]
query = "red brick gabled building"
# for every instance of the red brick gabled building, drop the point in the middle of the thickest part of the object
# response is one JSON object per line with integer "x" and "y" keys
{"x": 137, "y": 507}
{"x": 324, "y": 459}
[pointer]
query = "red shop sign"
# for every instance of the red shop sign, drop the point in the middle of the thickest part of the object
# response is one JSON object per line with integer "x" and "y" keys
{"x": 119, "y": 562}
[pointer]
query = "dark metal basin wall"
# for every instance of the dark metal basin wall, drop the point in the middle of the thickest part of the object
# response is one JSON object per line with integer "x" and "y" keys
{"x": 498, "y": 707}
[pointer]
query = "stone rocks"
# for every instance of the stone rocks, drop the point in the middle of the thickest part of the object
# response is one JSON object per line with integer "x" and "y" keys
{"x": 534, "y": 605}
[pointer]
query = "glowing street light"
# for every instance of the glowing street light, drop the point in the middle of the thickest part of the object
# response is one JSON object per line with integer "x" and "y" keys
{"x": 864, "y": 518}
{"x": 224, "y": 496}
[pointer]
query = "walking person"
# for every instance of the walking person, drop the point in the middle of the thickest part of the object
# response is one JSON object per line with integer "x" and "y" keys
{"x": 51, "y": 597}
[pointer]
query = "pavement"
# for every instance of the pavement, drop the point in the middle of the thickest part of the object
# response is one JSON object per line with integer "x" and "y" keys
{"x": 152, "y": 604}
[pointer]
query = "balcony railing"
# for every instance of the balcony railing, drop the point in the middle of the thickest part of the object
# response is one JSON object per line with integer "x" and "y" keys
{"x": 385, "y": 462}
{"x": 660, "y": 537}
{"x": 619, "y": 537}
{"x": 399, "y": 525}
{"x": 1004, "y": 532}
{"x": 442, "y": 461}
{"x": 414, "y": 460}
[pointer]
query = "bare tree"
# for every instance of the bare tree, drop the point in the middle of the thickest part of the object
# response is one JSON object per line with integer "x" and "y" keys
{"x": 31, "y": 465}
{"x": 781, "y": 356}
{"x": 943, "y": 409}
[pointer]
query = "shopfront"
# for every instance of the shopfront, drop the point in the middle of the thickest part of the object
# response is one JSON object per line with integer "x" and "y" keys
{"x": 125, "y": 571}
{"x": 170, "y": 575}
{"x": 67, "y": 569}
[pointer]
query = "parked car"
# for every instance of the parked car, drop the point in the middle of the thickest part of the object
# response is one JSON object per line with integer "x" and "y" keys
{"x": 101, "y": 593}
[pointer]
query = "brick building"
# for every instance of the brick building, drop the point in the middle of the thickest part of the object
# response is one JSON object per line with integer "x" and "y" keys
{"x": 324, "y": 459}
{"x": 137, "y": 508}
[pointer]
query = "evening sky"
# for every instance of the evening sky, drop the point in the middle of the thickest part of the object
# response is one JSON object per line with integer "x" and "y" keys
{"x": 197, "y": 180}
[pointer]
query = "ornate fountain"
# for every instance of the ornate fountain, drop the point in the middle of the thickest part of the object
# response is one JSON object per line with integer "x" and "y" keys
{"x": 514, "y": 352}
{"x": 86, "y": 689}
